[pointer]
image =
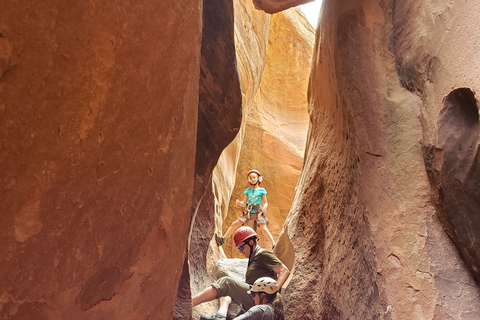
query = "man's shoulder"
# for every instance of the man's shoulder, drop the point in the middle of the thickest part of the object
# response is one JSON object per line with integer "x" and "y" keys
{"x": 264, "y": 308}
{"x": 264, "y": 252}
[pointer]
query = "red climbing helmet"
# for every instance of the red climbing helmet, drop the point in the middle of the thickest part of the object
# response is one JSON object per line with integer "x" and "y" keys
{"x": 242, "y": 234}
{"x": 260, "y": 178}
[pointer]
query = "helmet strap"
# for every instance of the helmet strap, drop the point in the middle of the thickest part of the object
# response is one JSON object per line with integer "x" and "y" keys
{"x": 251, "y": 250}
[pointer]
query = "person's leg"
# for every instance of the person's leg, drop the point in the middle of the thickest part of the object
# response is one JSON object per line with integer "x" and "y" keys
{"x": 224, "y": 304}
{"x": 208, "y": 294}
{"x": 225, "y": 289}
{"x": 266, "y": 232}
{"x": 235, "y": 225}
{"x": 237, "y": 290}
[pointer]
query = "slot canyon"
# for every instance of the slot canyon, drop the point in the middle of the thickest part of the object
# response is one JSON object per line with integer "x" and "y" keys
{"x": 128, "y": 128}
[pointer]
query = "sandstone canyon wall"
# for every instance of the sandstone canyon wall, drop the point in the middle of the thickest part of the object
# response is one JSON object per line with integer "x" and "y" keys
{"x": 106, "y": 155}
{"x": 384, "y": 222}
{"x": 276, "y": 123}
{"x": 98, "y": 112}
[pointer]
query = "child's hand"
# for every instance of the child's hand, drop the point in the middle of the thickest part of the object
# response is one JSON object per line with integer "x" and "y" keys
{"x": 264, "y": 208}
{"x": 239, "y": 203}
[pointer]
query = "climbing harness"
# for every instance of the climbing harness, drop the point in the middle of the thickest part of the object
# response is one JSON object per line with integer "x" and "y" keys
{"x": 249, "y": 214}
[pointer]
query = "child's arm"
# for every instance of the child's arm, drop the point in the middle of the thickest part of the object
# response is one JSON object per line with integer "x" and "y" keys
{"x": 242, "y": 203}
{"x": 264, "y": 203}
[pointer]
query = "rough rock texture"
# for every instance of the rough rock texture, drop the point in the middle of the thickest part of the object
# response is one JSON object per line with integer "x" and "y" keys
{"x": 274, "y": 6}
{"x": 367, "y": 223}
{"x": 276, "y": 123}
{"x": 453, "y": 167}
{"x": 98, "y": 112}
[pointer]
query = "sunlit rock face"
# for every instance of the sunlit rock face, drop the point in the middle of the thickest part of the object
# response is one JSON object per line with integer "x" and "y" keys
{"x": 276, "y": 123}
{"x": 274, "y": 6}
{"x": 98, "y": 105}
{"x": 391, "y": 164}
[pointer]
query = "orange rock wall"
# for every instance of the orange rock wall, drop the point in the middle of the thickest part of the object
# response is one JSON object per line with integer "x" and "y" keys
{"x": 98, "y": 112}
{"x": 276, "y": 123}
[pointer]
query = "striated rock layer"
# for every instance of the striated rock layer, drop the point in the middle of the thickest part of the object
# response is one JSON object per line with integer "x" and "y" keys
{"x": 98, "y": 112}
{"x": 391, "y": 163}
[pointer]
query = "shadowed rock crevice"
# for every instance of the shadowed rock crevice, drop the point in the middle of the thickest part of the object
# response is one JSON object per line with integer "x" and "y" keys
{"x": 454, "y": 171}
{"x": 219, "y": 119}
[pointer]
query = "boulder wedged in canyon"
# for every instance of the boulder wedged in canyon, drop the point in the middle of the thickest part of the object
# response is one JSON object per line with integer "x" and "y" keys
{"x": 274, "y": 6}
{"x": 367, "y": 223}
{"x": 98, "y": 105}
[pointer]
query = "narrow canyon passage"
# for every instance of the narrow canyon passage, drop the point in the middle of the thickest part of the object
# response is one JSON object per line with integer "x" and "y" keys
{"x": 127, "y": 128}
{"x": 378, "y": 227}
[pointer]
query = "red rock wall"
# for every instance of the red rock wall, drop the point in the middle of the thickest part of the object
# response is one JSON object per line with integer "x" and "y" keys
{"x": 367, "y": 223}
{"x": 98, "y": 105}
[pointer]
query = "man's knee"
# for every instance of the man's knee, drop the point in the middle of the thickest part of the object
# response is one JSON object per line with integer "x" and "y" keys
{"x": 222, "y": 285}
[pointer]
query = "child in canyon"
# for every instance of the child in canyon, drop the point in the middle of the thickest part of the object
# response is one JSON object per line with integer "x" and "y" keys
{"x": 255, "y": 203}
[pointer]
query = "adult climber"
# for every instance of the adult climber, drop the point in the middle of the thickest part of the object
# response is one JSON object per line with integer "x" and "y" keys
{"x": 261, "y": 263}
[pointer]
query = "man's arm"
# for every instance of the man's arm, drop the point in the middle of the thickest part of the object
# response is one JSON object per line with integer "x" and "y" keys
{"x": 283, "y": 274}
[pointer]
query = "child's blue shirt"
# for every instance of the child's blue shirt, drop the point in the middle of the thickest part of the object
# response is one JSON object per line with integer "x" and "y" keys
{"x": 255, "y": 196}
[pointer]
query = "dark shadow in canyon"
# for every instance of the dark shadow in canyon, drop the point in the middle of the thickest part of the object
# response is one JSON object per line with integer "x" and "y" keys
{"x": 454, "y": 173}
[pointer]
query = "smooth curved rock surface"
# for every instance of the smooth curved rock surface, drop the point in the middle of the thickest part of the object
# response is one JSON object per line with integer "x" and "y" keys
{"x": 98, "y": 105}
{"x": 367, "y": 233}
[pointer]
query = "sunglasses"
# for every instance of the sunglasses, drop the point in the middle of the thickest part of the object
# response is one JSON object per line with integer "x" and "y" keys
{"x": 240, "y": 248}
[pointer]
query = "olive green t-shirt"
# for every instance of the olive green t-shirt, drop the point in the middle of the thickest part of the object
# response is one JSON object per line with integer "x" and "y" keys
{"x": 261, "y": 265}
